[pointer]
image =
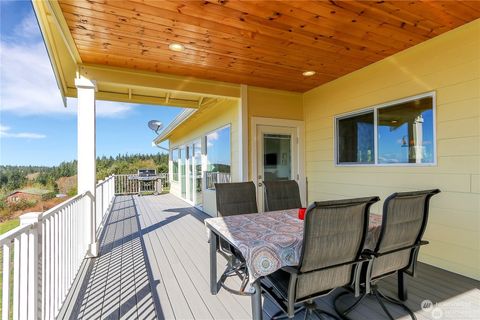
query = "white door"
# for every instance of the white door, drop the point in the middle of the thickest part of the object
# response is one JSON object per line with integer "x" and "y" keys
{"x": 194, "y": 174}
{"x": 277, "y": 157}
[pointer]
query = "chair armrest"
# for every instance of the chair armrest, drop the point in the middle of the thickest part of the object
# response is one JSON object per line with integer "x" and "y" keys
{"x": 415, "y": 246}
{"x": 291, "y": 270}
{"x": 368, "y": 254}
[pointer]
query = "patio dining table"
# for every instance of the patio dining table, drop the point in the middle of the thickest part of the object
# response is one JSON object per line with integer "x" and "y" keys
{"x": 268, "y": 242}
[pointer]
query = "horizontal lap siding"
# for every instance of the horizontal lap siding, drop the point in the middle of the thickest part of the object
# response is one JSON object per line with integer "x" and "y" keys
{"x": 450, "y": 66}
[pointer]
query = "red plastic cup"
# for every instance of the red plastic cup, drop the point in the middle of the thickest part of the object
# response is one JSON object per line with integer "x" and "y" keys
{"x": 301, "y": 213}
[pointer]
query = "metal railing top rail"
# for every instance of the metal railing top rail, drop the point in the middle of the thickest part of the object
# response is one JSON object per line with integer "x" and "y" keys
{"x": 62, "y": 205}
{"x": 101, "y": 182}
{"x": 10, "y": 235}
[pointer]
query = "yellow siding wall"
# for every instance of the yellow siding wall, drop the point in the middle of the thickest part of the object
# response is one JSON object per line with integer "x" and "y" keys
{"x": 450, "y": 65}
{"x": 268, "y": 103}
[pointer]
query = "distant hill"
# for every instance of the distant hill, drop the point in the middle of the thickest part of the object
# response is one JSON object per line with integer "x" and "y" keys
{"x": 66, "y": 184}
{"x": 63, "y": 178}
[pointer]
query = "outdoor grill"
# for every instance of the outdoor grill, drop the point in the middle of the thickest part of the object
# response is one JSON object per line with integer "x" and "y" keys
{"x": 148, "y": 181}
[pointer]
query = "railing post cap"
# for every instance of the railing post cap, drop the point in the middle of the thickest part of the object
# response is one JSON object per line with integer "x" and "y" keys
{"x": 30, "y": 217}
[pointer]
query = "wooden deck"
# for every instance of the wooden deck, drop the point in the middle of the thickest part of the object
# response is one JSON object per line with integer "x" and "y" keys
{"x": 154, "y": 265}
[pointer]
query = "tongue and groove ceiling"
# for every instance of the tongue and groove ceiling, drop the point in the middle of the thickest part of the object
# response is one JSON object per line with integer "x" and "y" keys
{"x": 261, "y": 43}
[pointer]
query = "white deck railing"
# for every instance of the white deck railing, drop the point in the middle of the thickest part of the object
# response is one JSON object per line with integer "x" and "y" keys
{"x": 44, "y": 254}
{"x": 216, "y": 177}
{"x": 104, "y": 194}
{"x": 127, "y": 184}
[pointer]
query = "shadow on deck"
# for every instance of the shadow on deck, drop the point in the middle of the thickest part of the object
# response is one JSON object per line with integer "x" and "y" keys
{"x": 154, "y": 265}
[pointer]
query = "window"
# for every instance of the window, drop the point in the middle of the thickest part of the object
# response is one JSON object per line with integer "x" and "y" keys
{"x": 355, "y": 139}
{"x": 400, "y": 132}
{"x": 175, "y": 157}
{"x": 218, "y": 156}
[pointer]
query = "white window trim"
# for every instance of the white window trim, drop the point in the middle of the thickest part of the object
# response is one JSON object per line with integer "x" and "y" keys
{"x": 374, "y": 109}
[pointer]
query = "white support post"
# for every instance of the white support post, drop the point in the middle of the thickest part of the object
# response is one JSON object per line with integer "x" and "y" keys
{"x": 86, "y": 133}
{"x": 243, "y": 133}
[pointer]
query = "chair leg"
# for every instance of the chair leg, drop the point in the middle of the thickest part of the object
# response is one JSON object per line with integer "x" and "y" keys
{"x": 397, "y": 302}
{"x": 379, "y": 297}
{"x": 311, "y": 307}
{"x": 379, "y": 300}
{"x": 239, "y": 271}
{"x": 343, "y": 313}
{"x": 282, "y": 315}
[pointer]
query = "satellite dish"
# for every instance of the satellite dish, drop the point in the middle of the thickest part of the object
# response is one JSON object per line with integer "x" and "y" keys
{"x": 155, "y": 125}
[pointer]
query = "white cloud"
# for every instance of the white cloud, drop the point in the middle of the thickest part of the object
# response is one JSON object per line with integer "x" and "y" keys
{"x": 27, "y": 81}
{"x": 213, "y": 136}
{"x": 110, "y": 109}
{"x": 5, "y": 133}
{"x": 28, "y": 27}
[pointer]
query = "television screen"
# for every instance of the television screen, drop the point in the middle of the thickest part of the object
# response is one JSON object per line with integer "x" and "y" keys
{"x": 271, "y": 159}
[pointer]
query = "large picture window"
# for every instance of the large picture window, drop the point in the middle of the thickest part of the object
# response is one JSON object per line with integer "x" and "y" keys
{"x": 399, "y": 132}
{"x": 218, "y": 156}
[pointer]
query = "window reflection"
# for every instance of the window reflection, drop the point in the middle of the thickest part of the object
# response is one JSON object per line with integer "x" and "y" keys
{"x": 405, "y": 132}
{"x": 356, "y": 139}
{"x": 218, "y": 157}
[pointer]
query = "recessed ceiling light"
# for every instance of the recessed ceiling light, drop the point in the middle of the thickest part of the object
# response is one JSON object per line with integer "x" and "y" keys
{"x": 308, "y": 73}
{"x": 176, "y": 47}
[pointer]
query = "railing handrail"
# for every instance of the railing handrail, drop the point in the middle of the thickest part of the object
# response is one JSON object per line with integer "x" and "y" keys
{"x": 62, "y": 205}
{"x": 12, "y": 234}
{"x": 105, "y": 180}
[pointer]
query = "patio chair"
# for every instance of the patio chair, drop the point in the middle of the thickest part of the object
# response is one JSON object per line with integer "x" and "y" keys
{"x": 403, "y": 224}
{"x": 333, "y": 239}
{"x": 234, "y": 199}
{"x": 282, "y": 195}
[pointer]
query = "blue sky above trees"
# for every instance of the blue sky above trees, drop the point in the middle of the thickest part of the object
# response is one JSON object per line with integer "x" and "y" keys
{"x": 35, "y": 127}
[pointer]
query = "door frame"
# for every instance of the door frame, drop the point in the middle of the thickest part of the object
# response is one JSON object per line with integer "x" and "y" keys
{"x": 299, "y": 125}
{"x": 189, "y": 144}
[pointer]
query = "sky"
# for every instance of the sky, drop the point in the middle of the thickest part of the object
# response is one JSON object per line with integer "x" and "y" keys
{"x": 35, "y": 127}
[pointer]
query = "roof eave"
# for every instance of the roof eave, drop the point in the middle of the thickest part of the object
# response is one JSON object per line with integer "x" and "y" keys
{"x": 181, "y": 118}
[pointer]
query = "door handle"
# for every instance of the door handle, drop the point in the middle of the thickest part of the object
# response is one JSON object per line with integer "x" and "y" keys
{"x": 260, "y": 184}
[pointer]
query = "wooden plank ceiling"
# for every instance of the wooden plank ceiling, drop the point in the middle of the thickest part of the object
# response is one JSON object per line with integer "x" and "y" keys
{"x": 262, "y": 43}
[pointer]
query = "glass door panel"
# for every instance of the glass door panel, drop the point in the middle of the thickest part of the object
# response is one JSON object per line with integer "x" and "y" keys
{"x": 191, "y": 181}
{"x": 277, "y": 157}
{"x": 183, "y": 180}
{"x": 197, "y": 166}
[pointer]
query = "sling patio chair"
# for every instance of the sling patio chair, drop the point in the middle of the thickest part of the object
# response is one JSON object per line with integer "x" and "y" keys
{"x": 282, "y": 195}
{"x": 234, "y": 199}
{"x": 404, "y": 220}
{"x": 333, "y": 239}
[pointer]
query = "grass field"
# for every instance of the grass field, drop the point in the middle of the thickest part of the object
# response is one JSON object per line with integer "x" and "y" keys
{"x": 9, "y": 225}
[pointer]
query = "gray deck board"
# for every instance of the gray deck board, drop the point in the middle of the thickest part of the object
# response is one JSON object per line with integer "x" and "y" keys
{"x": 154, "y": 265}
